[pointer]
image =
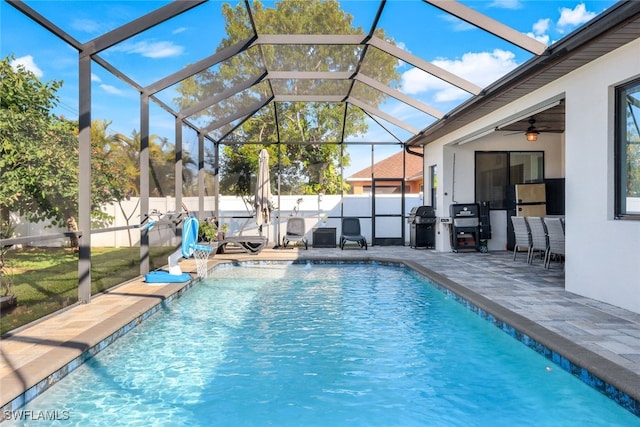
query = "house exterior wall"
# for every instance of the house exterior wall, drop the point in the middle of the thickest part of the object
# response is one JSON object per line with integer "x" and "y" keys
{"x": 602, "y": 253}
{"x": 456, "y": 166}
{"x": 603, "y": 261}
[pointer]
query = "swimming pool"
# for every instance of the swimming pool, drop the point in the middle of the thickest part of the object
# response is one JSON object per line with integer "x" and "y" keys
{"x": 332, "y": 344}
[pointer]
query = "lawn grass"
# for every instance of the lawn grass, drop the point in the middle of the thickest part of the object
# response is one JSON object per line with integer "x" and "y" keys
{"x": 45, "y": 280}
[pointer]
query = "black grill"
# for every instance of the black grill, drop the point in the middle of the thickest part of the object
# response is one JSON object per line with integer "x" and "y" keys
{"x": 422, "y": 220}
{"x": 465, "y": 227}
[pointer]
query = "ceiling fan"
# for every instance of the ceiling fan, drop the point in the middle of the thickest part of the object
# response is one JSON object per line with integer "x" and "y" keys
{"x": 532, "y": 133}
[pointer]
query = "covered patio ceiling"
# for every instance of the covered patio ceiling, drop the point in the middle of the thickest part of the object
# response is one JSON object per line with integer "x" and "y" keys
{"x": 344, "y": 75}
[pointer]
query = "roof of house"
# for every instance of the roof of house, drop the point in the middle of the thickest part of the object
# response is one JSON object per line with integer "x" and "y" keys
{"x": 615, "y": 27}
{"x": 391, "y": 167}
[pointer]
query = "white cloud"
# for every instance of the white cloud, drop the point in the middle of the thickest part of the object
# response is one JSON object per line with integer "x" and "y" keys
{"x": 86, "y": 25}
{"x": 570, "y": 18}
{"x": 95, "y": 78}
{"x": 481, "y": 68}
{"x": 417, "y": 81}
{"x": 111, "y": 89}
{"x": 541, "y": 27}
{"x": 179, "y": 30}
{"x": 540, "y": 31}
{"x": 542, "y": 38}
{"x": 457, "y": 24}
{"x": 450, "y": 94}
{"x": 29, "y": 64}
{"x": 507, "y": 4}
{"x": 151, "y": 49}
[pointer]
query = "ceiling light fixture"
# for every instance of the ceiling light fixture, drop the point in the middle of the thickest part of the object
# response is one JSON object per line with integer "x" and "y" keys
{"x": 532, "y": 132}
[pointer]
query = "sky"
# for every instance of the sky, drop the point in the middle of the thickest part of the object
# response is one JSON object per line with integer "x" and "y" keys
{"x": 416, "y": 27}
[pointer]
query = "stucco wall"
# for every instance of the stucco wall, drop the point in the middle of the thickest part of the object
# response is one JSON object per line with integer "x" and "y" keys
{"x": 603, "y": 254}
{"x": 456, "y": 166}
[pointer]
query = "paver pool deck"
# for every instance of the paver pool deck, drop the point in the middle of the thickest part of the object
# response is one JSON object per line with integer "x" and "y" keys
{"x": 599, "y": 337}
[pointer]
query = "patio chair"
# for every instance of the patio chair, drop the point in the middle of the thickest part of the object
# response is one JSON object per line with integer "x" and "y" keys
{"x": 295, "y": 232}
{"x": 351, "y": 232}
{"x": 249, "y": 244}
{"x": 539, "y": 240}
{"x": 522, "y": 234}
{"x": 555, "y": 231}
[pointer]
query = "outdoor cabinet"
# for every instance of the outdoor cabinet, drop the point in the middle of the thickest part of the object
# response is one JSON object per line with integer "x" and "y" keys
{"x": 324, "y": 237}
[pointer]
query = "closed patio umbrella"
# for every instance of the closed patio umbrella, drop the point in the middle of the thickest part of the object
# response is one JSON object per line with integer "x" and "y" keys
{"x": 262, "y": 201}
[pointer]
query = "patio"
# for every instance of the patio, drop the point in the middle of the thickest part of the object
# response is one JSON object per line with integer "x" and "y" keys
{"x": 601, "y": 337}
{"x": 590, "y": 333}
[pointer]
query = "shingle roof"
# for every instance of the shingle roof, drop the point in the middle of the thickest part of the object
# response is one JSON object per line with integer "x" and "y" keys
{"x": 391, "y": 167}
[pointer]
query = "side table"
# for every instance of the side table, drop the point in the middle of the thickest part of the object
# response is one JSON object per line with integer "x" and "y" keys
{"x": 324, "y": 237}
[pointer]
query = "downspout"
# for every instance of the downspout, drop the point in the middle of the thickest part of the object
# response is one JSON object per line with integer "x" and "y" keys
{"x": 415, "y": 153}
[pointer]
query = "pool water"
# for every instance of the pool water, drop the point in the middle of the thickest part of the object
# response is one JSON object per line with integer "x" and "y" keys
{"x": 322, "y": 345}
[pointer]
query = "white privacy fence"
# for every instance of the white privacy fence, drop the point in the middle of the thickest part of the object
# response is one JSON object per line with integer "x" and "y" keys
{"x": 324, "y": 211}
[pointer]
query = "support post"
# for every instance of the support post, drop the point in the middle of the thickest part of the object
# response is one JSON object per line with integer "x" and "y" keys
{"x": 84, "y": 179}
{"x": 144, "y": 182}
{"x": 178, "y": 166}
{"x": 201, "y": 176}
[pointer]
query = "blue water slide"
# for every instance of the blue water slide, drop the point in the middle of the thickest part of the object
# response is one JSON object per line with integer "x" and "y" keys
{"x": 188, "y": 247}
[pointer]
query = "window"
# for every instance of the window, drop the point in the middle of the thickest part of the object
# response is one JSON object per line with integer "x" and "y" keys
{"x": 497, "y": 171}
{"x": 627, "y": 136}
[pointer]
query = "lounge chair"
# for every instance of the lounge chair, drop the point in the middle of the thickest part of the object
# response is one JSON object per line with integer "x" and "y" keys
{"x": 295, "y": 232}
{"x": 555, "y": 231}
{"x": 539, "y": 240}
{"x": 522, "y": 234}
{"x": 250, "y": 244}
{"x": 351, "y": 232}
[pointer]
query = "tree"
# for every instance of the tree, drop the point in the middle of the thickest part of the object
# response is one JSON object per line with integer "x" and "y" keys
{"x": 125, "y": 152}
{"x": 161, "y": 162}
{"x": 110, "y": 178}
{"x": 633, "y": 147}
{"x": 36, "y": 147}
{"x": 305, "y": 168}
{"x": 39, "y": 153}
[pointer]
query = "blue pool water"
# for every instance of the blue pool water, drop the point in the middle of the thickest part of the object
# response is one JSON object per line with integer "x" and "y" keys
{"x": 322, "y": 345}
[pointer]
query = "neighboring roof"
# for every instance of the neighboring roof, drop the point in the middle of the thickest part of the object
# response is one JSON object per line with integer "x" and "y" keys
{"x": 391, "y": 167}
{"x": 614, "y": 28}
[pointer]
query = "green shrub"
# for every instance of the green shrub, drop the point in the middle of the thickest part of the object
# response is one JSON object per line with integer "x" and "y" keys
{"x": 207, "y": 230}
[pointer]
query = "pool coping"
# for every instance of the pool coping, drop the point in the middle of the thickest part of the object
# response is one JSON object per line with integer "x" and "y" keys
{"x": 63, "y": 357}
{"x": 614, "y": 381}
{"x": 611, "y": 379}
